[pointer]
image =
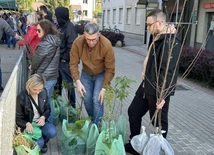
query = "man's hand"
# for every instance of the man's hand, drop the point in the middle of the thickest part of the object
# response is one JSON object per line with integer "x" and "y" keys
{"x": 18, "y": 37}
{"x": 41, "y": 121}
{"x": 160, "y": 105}
{"x": 80, "y": 88}
{"x": 101, "y": 96}
{"x": 29, "y": 128}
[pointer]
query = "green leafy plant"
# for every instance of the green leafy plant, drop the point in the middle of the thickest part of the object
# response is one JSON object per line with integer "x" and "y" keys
{"x": 113, "y": 95}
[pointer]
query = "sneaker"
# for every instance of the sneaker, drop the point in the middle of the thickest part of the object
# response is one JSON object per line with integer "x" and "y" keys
{"x": 8, "y": 48}
{"x": 129, "y": 148}
{"x": 44, "y": 149}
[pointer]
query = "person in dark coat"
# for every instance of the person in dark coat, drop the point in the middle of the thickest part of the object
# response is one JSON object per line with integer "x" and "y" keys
{"x": 32, "y": 106}
{"x": 67, "y": 36}
{"x": 158, "y": 76}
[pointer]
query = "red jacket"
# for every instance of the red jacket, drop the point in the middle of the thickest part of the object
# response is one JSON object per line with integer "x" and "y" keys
{"x": 31, "y": 38}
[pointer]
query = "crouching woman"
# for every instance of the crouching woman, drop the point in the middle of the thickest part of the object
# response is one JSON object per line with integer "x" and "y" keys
{"x": 32, "y": 106}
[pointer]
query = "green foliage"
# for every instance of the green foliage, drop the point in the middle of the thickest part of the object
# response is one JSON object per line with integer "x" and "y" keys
{"x": 114, "y": 94}
{"x": 25, "y": 5}
{"x": 98, "y": 8}
{"x": 53, "y": 4}
{"x": 77, "y": 126}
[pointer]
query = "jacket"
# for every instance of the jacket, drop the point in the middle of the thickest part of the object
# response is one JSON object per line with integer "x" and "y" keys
{"x": 157, "y": 62}
{"x": 46, "y": 58}
{"x": 31, "y": 39}
{"x": 24, "y": 108}
{"x": 67, "y": 31}
{"x": 5, "y": 27}
{"x": 99, "y": 59}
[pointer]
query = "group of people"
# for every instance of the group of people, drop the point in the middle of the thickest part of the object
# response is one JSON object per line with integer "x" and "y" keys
{"x": 57, "y": 52}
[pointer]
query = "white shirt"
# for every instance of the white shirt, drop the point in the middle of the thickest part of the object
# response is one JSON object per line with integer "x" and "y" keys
{"x": 35, "y": 111}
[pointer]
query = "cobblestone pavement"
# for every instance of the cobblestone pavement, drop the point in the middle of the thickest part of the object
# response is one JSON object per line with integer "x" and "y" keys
{"x": 190, "y": 115}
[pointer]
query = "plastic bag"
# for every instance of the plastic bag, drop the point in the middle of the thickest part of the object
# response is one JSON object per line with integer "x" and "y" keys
{"x": 92, "y": 139}
{"x": 121, "y": 127}
{"x": 139, "y": 142}
{"x": 74, "y": 143}
{"x": 72, "y": 112}
{"x": 103, "y": 146}
{"x": 56, "y": 111}
{"x": 37, "y": 132}
{"x": 23, "y": 150}
{"x": 157, "y": 145}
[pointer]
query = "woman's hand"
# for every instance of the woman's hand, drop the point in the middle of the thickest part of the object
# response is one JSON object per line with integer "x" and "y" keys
{"x": 29, "y": 128}
{"x": 41, "y": 121}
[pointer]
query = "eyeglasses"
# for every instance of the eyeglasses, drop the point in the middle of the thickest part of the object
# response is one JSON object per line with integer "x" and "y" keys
{"x": 91, "y": 40}
{"x": 150, "y": 24}
{"x": 38, "y": 30}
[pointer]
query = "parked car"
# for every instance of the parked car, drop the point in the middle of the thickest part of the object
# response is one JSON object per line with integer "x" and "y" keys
{"x": 81, "y": 22}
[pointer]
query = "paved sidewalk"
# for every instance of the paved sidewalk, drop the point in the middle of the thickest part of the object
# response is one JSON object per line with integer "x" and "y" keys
{"x": 191, "y": 109}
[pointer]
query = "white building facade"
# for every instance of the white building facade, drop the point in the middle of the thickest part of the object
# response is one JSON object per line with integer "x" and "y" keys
{"x": 125, "y": 15}
{"x": 87, "y": 6}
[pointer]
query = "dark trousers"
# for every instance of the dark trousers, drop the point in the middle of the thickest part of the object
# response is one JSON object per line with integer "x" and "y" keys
{"x": 139, "y": 107}
{"x": 65, "y": 74}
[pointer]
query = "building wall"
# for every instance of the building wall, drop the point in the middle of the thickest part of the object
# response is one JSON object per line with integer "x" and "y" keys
{"x": 113, "y": 13}
{"x": 134, "y": 18}
{"x": 89, "y": 7}
{"x": 202, "y": 22}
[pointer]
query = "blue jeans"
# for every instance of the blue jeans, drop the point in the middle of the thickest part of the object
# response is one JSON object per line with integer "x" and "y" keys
{"x": 11, "y": 40}
{"x": 66, "y": 75}
{"x": 48, "y": 131}
{"x": 49, "y": 87}
{"x": 93, "y": 85}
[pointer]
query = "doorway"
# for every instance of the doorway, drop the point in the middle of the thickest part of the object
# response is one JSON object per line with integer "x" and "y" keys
{"x": 210, "y": 28}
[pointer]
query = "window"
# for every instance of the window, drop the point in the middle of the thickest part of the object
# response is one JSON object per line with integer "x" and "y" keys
{"x": 114, "y": 16}
{"x": 85, "y": 12}
{"x": 128, "y": 16}
{"x": 137, "y": 16}
{"x": 104, "y": 15}
{"x": 85, "y": 1}
{"x": 120, "y": 15}
{"x": 108, "y": 16}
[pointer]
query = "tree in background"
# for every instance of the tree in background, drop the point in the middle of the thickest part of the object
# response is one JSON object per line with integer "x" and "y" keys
{"x": 25, "y": 5}
{"x": 98, "y": 8}
{"x": 52, "y": 4}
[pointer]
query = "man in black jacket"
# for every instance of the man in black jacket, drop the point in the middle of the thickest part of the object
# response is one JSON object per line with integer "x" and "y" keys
{"x": 67, "y": 36}
{"x": 159, "y": 75}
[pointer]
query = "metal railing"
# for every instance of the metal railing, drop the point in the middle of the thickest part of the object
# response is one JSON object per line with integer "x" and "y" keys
{"x": 15, "y": 84}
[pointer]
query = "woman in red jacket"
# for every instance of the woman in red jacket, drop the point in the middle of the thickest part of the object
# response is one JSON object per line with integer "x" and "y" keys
{"x": 31, "y": 39}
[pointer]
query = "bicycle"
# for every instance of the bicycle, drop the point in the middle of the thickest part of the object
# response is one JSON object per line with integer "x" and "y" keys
{"x": 115, "y": 29}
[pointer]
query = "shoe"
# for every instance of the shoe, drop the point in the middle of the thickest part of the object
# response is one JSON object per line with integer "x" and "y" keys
{"x": 1, "y": 89}
{"x": 129, "y": 148}
{"x": 8, "y": 48}
{"x": 44, "y": 149}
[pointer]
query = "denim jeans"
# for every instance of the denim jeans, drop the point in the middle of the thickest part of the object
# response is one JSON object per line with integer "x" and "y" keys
{"x": 49, "y": 87}
{"x": 66, "y": 75}
{"x": 10, "y": 40}
{"x": 93, "y": 85}
{"x": 48, "y": 131}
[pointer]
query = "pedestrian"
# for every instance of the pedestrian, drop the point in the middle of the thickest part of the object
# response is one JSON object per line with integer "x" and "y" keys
{"x": 32, "y": 106}
{"x": 46, "y": 58}
{"x": 5, "y": 27}
{"x": 45, "y": 14}
{"x": 98, "y": 62}
{"x": 22, "y": 25}
{"x": 146, "y": 96}
{"x": 31, "y": 39}
{"x": 67, "y": 36}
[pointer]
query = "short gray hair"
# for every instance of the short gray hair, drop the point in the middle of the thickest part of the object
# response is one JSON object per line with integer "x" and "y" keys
{"x": 91, "y": 28}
